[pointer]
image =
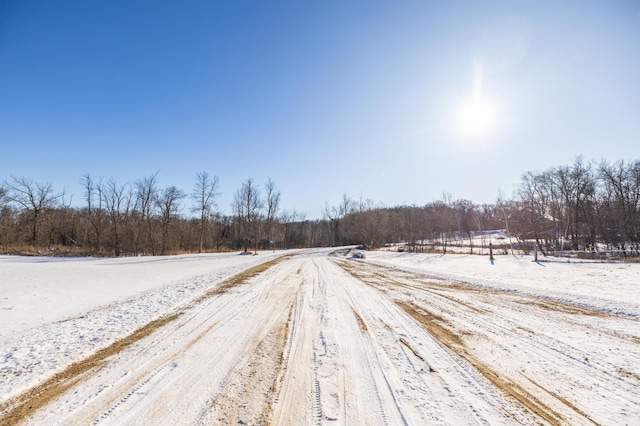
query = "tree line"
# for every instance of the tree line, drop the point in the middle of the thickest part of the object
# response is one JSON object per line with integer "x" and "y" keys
{"x": 583, "y": 206}
{"x": 590, "y": 206}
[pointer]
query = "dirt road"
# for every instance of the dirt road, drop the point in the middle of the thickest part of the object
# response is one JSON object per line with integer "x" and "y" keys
{"x": 318, "y": 339}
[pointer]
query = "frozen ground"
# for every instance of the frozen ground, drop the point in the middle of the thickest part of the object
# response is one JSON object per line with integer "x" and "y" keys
{"x": 321, "y": 339}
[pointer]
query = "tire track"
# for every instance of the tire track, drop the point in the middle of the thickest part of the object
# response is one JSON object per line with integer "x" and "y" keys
{"x": 433, "y": 324}
{"x": 17, "y": 409}
{"x": 461, "y": 316}
{"x": 202, "y": 317}
{"x": 298, "y": 397}
{"x": 319, "y": 340}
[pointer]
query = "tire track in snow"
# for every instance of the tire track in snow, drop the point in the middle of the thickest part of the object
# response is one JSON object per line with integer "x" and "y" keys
{"x": 492, "y": 321}
{"x": 251, "y": 390}
{"x": 391, "y": 372}
{"x": 418, "y": 393}
{"x": 433, "y": 324}
{"x": 308, "y": 343}
{"x": 202, "y": 318}
{"x": 247, "y": 389}
{"x": 19, "y": 408}
{"x": 298, "y": 399}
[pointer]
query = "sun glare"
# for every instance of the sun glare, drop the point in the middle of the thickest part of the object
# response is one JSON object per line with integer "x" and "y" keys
{"x": 477, "y": 119}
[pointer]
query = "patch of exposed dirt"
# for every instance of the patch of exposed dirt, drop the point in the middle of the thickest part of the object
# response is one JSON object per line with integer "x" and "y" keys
{"x": 361, "y": 323}
{"x": 626, "y": 373}
{"x": 565, "y": 308}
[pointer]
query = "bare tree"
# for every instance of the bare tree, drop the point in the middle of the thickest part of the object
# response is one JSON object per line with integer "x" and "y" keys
{"x": 146, "y": 196}
{"x": 410, "y": 223}
{"x": 34, "y": 198}
{"x": 503, "y": 206}
{"x": 576, "y": 186}
{"x": 332, "y": 217}
{"x": 535, "y": 197}
{"x": 369, "y": 222}
{"x": 273, "y": 205}
{"x": 168, "y": 203}
{"x": 620, "y": 197}
{"x": 247, "y": 206}
{"x": 95, "y": 213}
{"x": 204, "y": 193}
{"x": 447, "y": 220}
{"x": 6, "y": 219}
{"x": 340, "y": 220}
{"x": 117, "y": 201}
{"x": 465, "y": 212}
{"x": 288, "y": 221}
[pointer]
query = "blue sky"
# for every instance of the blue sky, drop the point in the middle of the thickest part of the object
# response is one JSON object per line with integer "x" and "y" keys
{"x": 396, "y": 101}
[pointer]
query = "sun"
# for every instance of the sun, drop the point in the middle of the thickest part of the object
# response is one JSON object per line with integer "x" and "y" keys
{"x": 477, "y": 119}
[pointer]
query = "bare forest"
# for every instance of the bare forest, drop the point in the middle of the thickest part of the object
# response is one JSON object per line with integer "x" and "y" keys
{"x": 588, "y": 207}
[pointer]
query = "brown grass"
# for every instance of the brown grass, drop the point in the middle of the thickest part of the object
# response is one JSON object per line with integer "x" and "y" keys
{"x": 75, "y": 251}
{"x": 52, "y": 251}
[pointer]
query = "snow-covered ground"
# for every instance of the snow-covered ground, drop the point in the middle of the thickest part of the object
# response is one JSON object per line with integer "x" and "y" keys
{"x": 613, "y": 286}
{"x": 395, "y": 338}
{"x": 55, "y": 311}
{"x": 41, "y": 290}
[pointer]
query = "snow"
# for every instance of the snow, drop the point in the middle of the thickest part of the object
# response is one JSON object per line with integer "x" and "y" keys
{"x": 327, "y": 339}
{"x": 54, "y": 311}
{"x": 612, "y": 287}
{"x": 40, "y": 290}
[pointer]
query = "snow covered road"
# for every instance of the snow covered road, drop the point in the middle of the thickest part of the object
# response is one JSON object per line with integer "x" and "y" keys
{"x": 320, "y": 339}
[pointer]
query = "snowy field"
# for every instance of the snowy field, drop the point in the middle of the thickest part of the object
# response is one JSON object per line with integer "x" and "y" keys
{"x": 613, "y": 287}
{"x": 41, "y": 290}
{"x": 395, "y": 338}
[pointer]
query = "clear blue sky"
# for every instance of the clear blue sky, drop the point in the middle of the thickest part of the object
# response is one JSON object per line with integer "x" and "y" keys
{"x": 324, "y": 97}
